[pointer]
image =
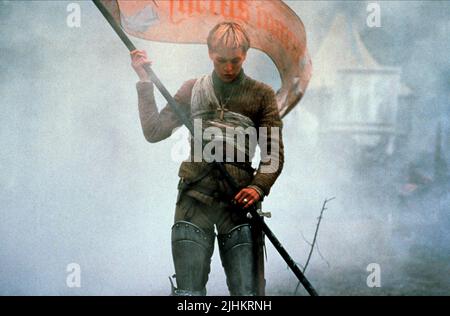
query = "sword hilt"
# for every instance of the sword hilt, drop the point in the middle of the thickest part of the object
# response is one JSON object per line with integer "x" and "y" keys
{"x": 260, "y": 213}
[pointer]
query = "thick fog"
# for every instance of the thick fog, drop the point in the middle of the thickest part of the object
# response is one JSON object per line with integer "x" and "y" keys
{"x": 79, "y": 183}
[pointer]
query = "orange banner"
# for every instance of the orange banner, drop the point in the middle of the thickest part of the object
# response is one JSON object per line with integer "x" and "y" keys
{"x": 272, "y": 26}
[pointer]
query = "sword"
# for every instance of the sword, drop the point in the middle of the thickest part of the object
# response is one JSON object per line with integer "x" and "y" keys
{"x": 253, "y": 211}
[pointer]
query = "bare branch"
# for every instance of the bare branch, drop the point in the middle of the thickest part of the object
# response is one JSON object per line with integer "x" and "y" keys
{"x": 321, "y": 256}
{"x": 303, "y": 236}
{"x": 317, "y": 231}
{"x": 314, "y": 242}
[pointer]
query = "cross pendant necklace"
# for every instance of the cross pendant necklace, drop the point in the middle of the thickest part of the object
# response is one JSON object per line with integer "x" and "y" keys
{"x": 222, "y": 105}
{"x": 222, "y": 111}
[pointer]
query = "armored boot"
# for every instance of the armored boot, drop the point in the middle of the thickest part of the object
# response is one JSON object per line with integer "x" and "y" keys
{"x": 192, "y": 249}
{"x": 238, "y": 260}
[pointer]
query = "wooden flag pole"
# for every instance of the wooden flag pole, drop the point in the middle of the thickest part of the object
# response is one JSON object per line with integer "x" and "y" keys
{"x": 153, "y": 77}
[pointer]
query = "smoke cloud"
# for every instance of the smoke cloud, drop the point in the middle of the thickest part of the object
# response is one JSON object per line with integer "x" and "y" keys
{"x": 79, "y": 183}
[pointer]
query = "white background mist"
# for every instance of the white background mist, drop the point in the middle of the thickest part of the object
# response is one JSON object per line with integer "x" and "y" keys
{"x": 79, "y": 183}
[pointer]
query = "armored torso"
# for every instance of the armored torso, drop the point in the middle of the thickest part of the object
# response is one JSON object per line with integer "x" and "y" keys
{"x": 221, "y": 127}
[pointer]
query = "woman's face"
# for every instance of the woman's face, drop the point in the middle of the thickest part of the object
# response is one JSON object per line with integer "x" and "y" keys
{"x": 227, "y": 62}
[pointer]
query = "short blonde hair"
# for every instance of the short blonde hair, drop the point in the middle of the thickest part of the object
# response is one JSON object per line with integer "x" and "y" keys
{"x": 228, "y": 34}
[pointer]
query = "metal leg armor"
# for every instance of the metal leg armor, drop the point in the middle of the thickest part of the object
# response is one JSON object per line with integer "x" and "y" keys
{"x": 238, "y": 259}
{"x": 192, "y": 249}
